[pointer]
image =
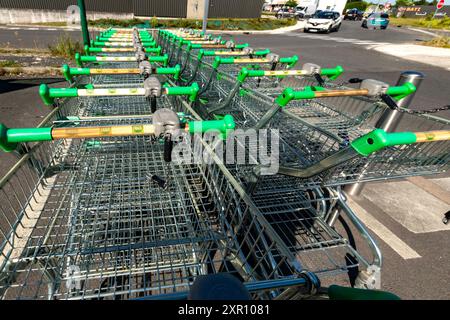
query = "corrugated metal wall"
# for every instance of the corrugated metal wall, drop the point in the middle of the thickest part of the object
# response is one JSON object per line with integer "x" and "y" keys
{"x": 125, "y": 6}
{"x": 235, "y": 8}
{"x": 160, "y": 8}
{"x": 148, "y": 8}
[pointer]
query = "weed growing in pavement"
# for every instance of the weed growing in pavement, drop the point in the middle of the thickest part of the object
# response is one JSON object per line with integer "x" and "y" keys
{"x": 65, "y": 47}
{"x": 440, "y": 42}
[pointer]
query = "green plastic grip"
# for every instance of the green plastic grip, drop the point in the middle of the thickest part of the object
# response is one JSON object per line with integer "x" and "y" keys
{"x": 161, "y": 59}
{"x": 175, "y": 71}
{"x": 332, "y": 73}
{"x": 69, "y": 73}
{"x": 219, "y": 60}
{"x": 191, "y": 91}
{"x": 48, "y": 95}
{"x": 9, "y": 138}
{"x": 157, "y": 50}
{"x": 345, "y": 293}
{"x": 241, "y": 46}
{"x": 399, "y": 92}
{"x": 379, "y": 139}
{"x": 290, "y": 61}
{"x": 289, "y": 94}
{"x": 244, "y": 73}
{"x": 80, "y": 59}
{"x": 224, "y": 126}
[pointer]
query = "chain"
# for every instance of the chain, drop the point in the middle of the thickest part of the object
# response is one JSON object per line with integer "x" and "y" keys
{"x": 443, "y": 108}
{"x": 393, "y": 105}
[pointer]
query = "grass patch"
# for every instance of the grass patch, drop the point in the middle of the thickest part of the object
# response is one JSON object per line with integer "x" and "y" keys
{"x": 213, "y": 24}
{"x": 428, "y": 22}
{"x": 438, "y": 42}
{"x": 65, "y": 47}
{"x": 23, "y": 51}
{"x": 52, "y": 24}
{"x": 9, "y": 64}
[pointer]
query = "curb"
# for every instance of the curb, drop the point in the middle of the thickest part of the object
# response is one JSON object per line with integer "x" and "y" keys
{"x": 30, "y": 70}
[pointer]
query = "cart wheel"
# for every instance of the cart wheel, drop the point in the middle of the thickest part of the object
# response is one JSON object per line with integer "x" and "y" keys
{"x": 220, "y": 286}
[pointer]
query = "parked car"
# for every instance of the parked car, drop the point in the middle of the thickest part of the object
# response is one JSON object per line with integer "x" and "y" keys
{"x": 323, "y": 21}
{"x": 285, "y": 13}
{"x": 300, "y": 12}
{"x": 376, "y": 20}
{"x": 353, "y": 14}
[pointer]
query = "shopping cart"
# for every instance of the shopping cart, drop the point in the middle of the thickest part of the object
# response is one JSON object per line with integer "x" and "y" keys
{"x": 117, "y": 76}
{"x": 329, "y": 137}
{"x": 124, "y": 61}
{"x": 108, "y": 217}
{"x": 142, "y": 100}
{"x": 269, "y": 84}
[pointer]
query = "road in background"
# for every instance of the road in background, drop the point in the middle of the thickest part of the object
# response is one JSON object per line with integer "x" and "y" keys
{"x": 415, "y": 260}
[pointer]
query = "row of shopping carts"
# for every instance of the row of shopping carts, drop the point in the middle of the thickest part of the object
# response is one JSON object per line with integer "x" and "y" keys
{"x": 173, "y": 155}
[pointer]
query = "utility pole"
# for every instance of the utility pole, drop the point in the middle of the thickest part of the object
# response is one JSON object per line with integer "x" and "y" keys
{"x": 205, "y": 15}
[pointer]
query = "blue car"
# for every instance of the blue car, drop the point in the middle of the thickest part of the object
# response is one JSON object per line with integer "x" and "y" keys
{"x": 376, "y": 20}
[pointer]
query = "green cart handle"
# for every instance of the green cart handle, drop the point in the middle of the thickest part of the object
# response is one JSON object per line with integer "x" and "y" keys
{"x": 345, "y": 293}
{"x": 191, "y": 91}
{"x": 205, "y": 53}
{"x": 124, "y": 39}
{"x": 69, "y": 73}
{"x": 331, "y": 73}
{"x": 224, "y": 126}
{"x": 88, "y": 50}
{"x": 80, "y": 59}
{"x": 396, "y": 92}
{"x": 290, "y": 61}
{"x": 104, "y": 44}
{"x": 9, "y": 138}
{"x": 379, "y": 139}
{"x": 48, "y": 95}
{"x": 191, "y": 46}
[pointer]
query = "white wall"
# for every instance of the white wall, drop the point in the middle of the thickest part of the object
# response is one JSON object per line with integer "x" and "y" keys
{"x": 8, "y": 16}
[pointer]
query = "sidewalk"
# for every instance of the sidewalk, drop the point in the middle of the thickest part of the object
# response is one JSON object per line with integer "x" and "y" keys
{"x": 439, "y": 57}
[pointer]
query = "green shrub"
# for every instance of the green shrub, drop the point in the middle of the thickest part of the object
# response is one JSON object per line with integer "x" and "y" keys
{"x": 213, "y": 24}
{"x": 360, "y": 5}
{"x": 9, "y": 64}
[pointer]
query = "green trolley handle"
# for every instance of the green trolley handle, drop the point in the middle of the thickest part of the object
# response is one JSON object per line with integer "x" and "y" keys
{"x": 9, "y": 138}
{"x": 396, "y": 92}
{"x": 331, "y": 73}
{"x": 346, "y": 293}
{"x": 89, "y": 50}
{"x": 69, "y": 73}
{"x": 205, "y": 53}
{"x": 290, "y": 61}
{"x": 48, "y": 95}
{"x": 365, "y": 146}
{"x": 81, "y": 59}
{"x": 149, "y": 44}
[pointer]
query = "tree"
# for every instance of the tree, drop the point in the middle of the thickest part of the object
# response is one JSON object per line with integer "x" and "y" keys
{"x": 291, "y": 3}
{"x": 403, "y": 3}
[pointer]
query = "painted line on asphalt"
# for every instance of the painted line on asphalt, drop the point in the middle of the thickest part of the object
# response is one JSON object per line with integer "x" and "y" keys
{"x": 34, "y": 29}
{"x": 424, "y": 31}
{"x": 397, "y": 244}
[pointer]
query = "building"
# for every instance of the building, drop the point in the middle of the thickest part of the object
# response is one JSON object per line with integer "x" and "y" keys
{"x": 312, "y": 5}
{"x": 34, "y": 11}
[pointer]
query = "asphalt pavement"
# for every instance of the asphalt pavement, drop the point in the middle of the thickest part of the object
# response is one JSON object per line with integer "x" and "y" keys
{"x": 416, "y": 258}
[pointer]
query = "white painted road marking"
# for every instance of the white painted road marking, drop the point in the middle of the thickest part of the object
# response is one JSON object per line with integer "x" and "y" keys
{"x": 336, "y": 39}
{"x": 397, "y": 244}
